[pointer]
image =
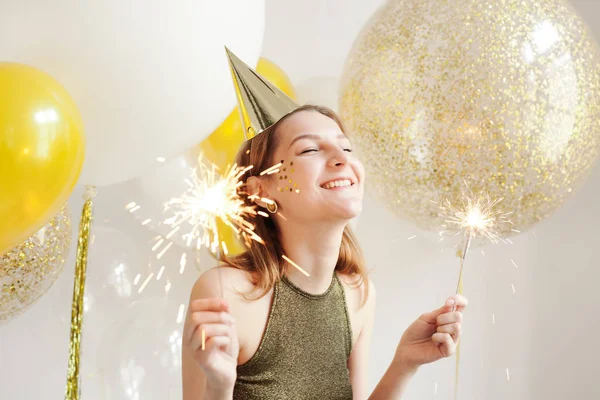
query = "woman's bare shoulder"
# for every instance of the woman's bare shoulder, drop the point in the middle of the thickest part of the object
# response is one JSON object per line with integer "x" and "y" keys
{"x": 222, "y": 280}
{"x": 355, "y": 287}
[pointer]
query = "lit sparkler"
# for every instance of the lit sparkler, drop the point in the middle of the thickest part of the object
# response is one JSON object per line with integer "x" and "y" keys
{"x": 210, "y": 197}
{"x": 475, "y": 217}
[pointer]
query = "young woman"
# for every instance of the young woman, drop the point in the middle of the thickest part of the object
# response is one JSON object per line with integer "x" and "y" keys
{"x": 277, "y": 333}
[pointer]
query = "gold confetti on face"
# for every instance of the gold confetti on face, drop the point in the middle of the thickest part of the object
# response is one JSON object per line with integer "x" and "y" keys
{"x": 28, "y": 270}
{"x": 285, "y": 182}
{"x": 502, "y": 94}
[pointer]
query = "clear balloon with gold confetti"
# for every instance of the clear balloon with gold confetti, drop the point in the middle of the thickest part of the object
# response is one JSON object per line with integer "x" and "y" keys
{"x": 28, "y": 270}
{"x": 503, "y": 95}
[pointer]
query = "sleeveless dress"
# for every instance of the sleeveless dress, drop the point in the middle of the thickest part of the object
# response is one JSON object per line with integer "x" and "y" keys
{"x": 304, "y": 350}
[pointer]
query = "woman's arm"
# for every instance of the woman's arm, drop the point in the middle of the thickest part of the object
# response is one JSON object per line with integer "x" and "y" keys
{"x": 393, "y": 383}
{"x": 433, "y": 336}
{"x": 358, "y": 362}
{"x": 195, "y": 385}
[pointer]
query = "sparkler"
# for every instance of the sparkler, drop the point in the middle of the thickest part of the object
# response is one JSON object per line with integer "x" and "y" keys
{"x": 194, "y": 215}
{"x": 475, "y": 217}
{"x": 210, "y": 197}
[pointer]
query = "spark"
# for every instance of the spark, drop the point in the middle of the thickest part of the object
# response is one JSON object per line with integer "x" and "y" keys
{"x": 130, "y": 205}
{"x": 507, "y": 375}
{"x": 141, "y": 289}
{"x": 180, "y": 313}
{"x": 513, "y": 288}
{"x": 161, "y": 159}
{"x": 514, "y": 263}
{"x": 210, "y": 198}
{"x": 163, "y": 251}
{"x": 157, "y": 245}
{"x": 271, "y": 170}
{"x": 182, "y": 262}
{"x": 172, "y": 232}
{"x": 476, "y": 216}
{"x": 146, "y": 221}
{"x": 295, "y": 265}
{"x": 160, "y": 272}
{"x": 136, "y": 279}
{"x": 224, "y": 247}
{"x": 412, "y": 237}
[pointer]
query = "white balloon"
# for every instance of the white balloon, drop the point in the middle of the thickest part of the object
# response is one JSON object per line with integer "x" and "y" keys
{"x": 140, "y": 353}
{"x": 320, "y": 90}
{"x": 150, "y": 78}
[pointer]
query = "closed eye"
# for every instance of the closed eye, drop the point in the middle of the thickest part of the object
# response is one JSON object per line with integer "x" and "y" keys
{"x": 308, "y": 151}
{"x": 348, "y": 150}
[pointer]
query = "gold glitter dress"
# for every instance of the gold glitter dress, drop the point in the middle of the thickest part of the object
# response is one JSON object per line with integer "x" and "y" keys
{"x": 304, "y": 350}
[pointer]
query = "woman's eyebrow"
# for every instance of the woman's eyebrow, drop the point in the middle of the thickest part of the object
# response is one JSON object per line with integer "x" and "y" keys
{"x": 314, "y": 137}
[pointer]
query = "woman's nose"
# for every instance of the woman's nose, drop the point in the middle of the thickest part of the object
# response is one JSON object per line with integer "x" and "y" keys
{"x": 339, "y": 158}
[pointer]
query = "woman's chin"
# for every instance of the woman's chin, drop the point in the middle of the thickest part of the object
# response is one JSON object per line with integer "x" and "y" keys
{"x": 348, "y": 213}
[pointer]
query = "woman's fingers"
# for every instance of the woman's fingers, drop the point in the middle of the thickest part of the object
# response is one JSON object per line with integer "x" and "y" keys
{"x": 457, "y": 301}
{"x": 210, "y": 304}
{"x": 449, "y": 318}
{"x": 217, "y": 342}
{"x": 207, "y": 317}
{"x": 451, "y": 329}
{"x": 206, "y": 332}
{"x": 206, "y": 311}
{"x": 448, "y": 347}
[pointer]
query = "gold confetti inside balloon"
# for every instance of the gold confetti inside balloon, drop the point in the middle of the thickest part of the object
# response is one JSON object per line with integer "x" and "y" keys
{"x": 503, "y": 95}
{"x": 28, "y": 270}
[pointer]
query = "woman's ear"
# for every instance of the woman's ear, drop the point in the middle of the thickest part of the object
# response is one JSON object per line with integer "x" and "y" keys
{"x": 257, "y": 190}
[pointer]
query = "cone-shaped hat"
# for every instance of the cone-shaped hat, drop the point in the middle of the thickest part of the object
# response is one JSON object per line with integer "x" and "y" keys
{"x": 260, "y": 103}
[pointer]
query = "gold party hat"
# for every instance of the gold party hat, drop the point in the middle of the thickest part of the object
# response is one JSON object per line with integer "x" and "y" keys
{"x": 260, "y": 103}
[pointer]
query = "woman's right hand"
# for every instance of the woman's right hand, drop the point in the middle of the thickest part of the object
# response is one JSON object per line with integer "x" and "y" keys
{"x": 218, "y": 360}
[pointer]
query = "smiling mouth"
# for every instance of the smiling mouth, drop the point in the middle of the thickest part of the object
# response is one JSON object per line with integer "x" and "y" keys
{"x": 342, "y": 183}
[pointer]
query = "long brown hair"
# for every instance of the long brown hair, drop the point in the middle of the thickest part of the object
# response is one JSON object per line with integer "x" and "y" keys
{"x": 265, "y": 262}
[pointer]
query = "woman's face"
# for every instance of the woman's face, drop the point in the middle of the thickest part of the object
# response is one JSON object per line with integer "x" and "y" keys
{"x": 320, "y": 178}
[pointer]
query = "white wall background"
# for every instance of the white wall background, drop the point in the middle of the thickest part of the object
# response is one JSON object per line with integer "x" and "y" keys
{"x": 539, "y": 342}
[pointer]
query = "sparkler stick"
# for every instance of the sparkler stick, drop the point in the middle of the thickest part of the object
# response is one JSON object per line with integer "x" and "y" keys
{"x": 463, "y": 255}
{"x": 477, "y": 216}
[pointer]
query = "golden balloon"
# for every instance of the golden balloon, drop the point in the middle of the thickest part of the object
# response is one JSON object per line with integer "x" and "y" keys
{"x": 503, "y": 95}
{"x": 28, "y": 270}
{"x": 41, "y": 150}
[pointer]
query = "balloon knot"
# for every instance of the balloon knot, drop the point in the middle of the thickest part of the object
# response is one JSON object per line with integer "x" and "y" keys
{"x": 90, "y": 192}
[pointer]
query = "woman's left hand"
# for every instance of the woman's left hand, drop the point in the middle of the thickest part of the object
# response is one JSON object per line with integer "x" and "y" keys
{"x": 434, "y": 335}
